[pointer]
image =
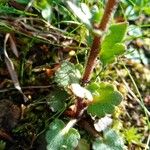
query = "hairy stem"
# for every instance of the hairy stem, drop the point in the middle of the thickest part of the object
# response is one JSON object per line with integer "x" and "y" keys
{"x": 96, "y": 45}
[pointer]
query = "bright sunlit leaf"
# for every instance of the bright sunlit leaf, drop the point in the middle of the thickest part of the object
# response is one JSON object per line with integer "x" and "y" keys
{"x": 82, "y": 13}
{"x": 46, "y": 13}
{"x": 134, "y": 31}
{"x": 80, "y": 91}
{"x": 103, "y": 123}
{"x": 86, "y": 10}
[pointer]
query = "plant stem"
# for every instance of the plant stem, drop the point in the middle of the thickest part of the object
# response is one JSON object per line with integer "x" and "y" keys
{"x": 96, "y": 45}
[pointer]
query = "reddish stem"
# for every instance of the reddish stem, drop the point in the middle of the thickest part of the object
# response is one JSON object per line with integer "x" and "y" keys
{"x": 96, "y": 45}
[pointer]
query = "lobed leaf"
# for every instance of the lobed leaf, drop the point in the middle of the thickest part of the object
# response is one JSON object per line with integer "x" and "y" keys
{"x": 67, "y": 74}
{"x": 56, "y": 99}
{"x": 105, "y": 96}
{"x": 110, "y": 141}
{"x": 58, "y": 137}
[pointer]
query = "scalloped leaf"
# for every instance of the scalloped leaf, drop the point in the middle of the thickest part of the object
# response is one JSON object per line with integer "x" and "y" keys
{"x": 59, "y": 137}
{"x": 110, "y": 141}
{"x": 112, "y": 45}
{"x": 105, "y": 96}
{"x": 67, "y": 74}
{"x": 56, "y": 99}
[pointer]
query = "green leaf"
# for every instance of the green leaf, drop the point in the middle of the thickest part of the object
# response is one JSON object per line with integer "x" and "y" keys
{"x": 146, "y": 10}
{"x": 116, "y": 50}
{"x": 10, "y": 10}
{"x": 110, "y": 141}
{"x": 23, "y": 1}
{"x": 59, "y": 137}
{"x": 56, "y": 99}
{"x": 112, "y": 45}
{"x": 4, "y": 1}
{"x": 40, "y": 4}
{"x": 45, "y": 7}
{"x": 2, "y": 145}
{"x": 96, "y": 14}
{"x": 83, "y": 145}
{"x": 67, "y": 74}
{"x": 105, "y": 96}
{"x": 47, "y": 12}
{"x": 82, "y": 13}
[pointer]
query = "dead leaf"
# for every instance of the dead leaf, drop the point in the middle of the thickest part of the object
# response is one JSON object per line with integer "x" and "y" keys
{"x": 11, "y": 69}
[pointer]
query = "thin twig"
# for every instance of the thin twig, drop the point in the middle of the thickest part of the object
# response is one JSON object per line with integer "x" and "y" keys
{"x": 148, "y": 143}
{"x": 27, "y": 87}
{"x": 140, "y": 101}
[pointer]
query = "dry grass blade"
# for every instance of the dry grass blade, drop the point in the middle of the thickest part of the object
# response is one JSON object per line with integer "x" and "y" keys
{"x": 11, "y": 68}
{"x": 132, "y": 93}
{"x": 13, "y": 45}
